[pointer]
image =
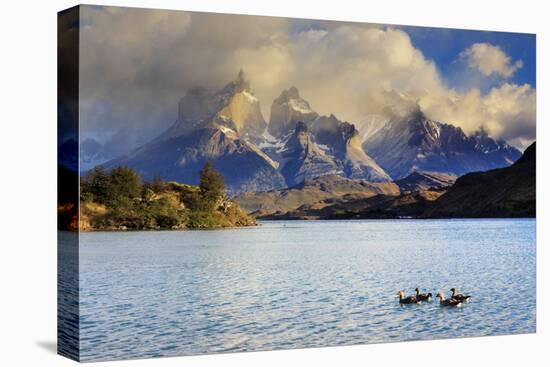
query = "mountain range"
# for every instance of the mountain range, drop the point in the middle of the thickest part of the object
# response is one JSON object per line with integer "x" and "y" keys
{"x": 331, "y": 195}
{"x": 503, "y": 192}
{"x": 298, "y": 144}
{"x": 415, "y": 143}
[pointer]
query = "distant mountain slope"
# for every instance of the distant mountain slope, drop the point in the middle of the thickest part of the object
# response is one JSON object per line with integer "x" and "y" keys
{"x": 415, "y": 143}
{"x": 244, "y": 166}
{"x": 408, "y": 204}
{"x": 332, "y": 196}
{"x": 316, "y": 193}
{"x": 419, "y": 181}
{"x": 303, "y": 159}
{"x": 345, "y": 144}
{"x": 505, "y": 192}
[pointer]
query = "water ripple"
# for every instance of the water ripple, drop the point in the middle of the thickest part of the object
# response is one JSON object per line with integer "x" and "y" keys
{"x": 308, "y": 284}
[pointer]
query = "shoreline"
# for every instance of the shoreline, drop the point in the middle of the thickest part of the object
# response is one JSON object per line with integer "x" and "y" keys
{"x": 163, "y": 229}
{"x": 260, "y": 220}
{"x": 397, "y": 218}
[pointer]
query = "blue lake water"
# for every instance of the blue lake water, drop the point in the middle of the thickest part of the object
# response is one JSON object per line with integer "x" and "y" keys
{"x": 301, "y": 284}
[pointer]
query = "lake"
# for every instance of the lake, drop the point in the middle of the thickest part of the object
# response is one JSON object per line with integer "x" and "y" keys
{"x": 300, "y": 284}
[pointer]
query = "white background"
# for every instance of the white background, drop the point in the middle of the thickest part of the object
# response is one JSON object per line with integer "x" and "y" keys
{"x": 28, "y": 183}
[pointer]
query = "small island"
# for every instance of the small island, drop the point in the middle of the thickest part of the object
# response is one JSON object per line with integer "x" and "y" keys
{"x": 117, "y": 200}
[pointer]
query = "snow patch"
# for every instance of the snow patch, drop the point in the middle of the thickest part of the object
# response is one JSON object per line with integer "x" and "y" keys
{"x": 249, "y": 96}
{"x": 255, "y": 148}
{"x": 299, "y": 106}
{"x": 223, "y": 117}
{"x": 324, "y": 147}
{"x": 267, "y": 136}
{"x": 271, "y": 145}
{"x": 227, "y": 130}
{"x": 270, "y": 142}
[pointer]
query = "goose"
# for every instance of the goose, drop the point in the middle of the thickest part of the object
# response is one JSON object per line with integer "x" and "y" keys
{"x": 423, "y": 296}
{"x": 448, "y": 302}
{"x": 458, "y": 296}
{"x": 407, "y": 300}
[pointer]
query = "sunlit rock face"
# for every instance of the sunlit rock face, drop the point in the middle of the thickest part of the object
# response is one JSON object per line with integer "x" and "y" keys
{"x": 218, "y": 127}
{"x": 359, "y": 164}
{"x": 303, "y": 159}
{"x": 234, "y": 107}
{"x": 345, "y": 144}
{"x": 288, "y": 109}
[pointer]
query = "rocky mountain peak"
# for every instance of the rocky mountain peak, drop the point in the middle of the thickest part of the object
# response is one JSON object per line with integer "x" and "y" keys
{"x": 415, "y": 142}
{"x": 305, "y": 159}
{"x": 291, "y": 93}
{"x": 287, "y": 110}
{"x": 241, "y": 84}
{"x": 234, "y": 107}
{"x": 348, "y": 130}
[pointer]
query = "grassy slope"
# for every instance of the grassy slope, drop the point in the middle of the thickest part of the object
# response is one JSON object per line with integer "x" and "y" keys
{"x": 164, "y": 209}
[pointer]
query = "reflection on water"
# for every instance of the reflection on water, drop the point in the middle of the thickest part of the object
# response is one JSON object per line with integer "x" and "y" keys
{"x": 301, "y": 284}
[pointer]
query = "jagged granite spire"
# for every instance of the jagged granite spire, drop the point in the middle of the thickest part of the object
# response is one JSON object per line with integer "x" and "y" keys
{"x": 242, "y": 83}
{"x": 287, "y": 110}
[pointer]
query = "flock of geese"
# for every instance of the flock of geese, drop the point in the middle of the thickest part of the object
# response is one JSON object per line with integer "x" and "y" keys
{"x": 456, "y": 299}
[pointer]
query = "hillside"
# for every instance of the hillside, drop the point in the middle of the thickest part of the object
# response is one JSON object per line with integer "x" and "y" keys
{"x": 421, "y": 181}
{"x": 332, "y": 196}
{"x": 405, "y": 205}
{"x": 315, "y": 193}
{"x": 504, "y": 192}
{"x": 117, "y": 200}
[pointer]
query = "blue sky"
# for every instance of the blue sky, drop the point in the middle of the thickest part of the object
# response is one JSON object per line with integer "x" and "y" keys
{"x": 444, "y": 45}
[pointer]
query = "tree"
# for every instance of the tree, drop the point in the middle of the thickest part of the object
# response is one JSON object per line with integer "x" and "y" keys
{"x": 96, "y": 183}
{"x": 124, "y": 182}
{"x": 212, "y": 186}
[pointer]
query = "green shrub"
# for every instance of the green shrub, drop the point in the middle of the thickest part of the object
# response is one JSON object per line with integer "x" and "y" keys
{"x": 152, "y": 205}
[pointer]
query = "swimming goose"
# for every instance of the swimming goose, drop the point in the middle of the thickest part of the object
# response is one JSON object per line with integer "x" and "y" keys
{"x": 423, "y": 296}
{"x": 458, "y": 296}
{"x": 448, "y": 302}
{"x": 407, "y": 300}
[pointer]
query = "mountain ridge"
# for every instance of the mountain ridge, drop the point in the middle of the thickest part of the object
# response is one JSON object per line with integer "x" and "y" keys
{"x": 227, "y": 127}
{"x": 414, "y": 142}
{"x": 502, "y": 192}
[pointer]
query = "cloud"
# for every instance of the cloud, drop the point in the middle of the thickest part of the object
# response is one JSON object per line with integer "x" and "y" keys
{"x": 137, "y": 63}
{"x": 507, "y": 112}
{"x": 336, "y": 69}
{"x": 490, "y": 59}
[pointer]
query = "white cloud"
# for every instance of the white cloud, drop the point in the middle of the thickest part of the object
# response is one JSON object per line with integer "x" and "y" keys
{"x": 490, "y": 59}
{"x": 140, "y": 62}
{"x": 507, "y": 111}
